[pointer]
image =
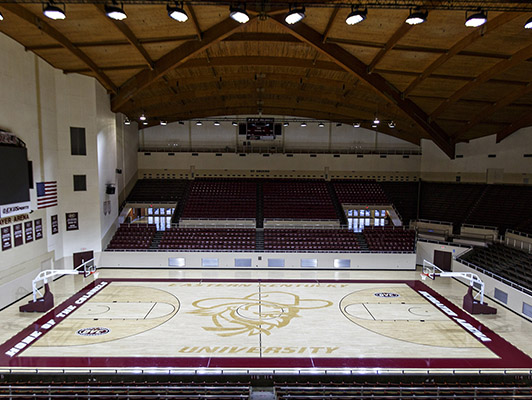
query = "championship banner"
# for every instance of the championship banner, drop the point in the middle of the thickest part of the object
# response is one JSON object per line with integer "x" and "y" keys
{"x": 6, "y": 238}
{"x": 17, "y": 235}
{"x": 38, "y": 229}
{"x": 72, "y": 221}
{"x": 28, "y": 230}
{"x": 55, "y": 224}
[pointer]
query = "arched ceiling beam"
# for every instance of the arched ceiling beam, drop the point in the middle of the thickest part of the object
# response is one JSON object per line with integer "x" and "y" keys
{"x": 398, "y": 34}
{"x": 525, "y": 120}
{"x": 352, "y": 64}
{"x": 330, "y": 24}
{"x": 491, "y": 109}
{"x": 43, "y": 26}
{"x": 194, "y": 21}
{"x": 128, "y": 33}
{"x": 244, "y": 82}
{"x": 490, "y": 73}
{"x": 491, "y": 25}
{"x": 314, "y": 96}
{"x": 172, "y": 59}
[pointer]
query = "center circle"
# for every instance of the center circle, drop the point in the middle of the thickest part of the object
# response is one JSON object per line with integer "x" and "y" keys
{"x": 260, "y": 311}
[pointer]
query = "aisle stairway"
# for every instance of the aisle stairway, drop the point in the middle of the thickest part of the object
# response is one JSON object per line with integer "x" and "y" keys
{"x": 340, "y": 212}
{"x": 259, "y": 239}
{"x": 156, "y": 240}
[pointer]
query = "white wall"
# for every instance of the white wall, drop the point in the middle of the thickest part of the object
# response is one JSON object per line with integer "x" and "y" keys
{"x": 366, "y": 261}
{"x": 474, "y": 165}
{"x": 39, "y": 104}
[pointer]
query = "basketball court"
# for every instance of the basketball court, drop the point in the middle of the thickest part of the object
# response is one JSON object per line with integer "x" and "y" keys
{"x": 251, "y": 324}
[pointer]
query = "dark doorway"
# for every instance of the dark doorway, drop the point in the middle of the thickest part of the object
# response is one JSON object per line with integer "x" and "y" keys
{"x": 443, "y": 260}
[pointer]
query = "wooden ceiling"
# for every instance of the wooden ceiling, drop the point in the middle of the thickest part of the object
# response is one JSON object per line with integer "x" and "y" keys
{"x": 438, "y": 80}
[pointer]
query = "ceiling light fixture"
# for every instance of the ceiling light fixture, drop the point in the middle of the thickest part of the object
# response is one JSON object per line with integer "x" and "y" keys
{"x": 115, "y": 12}
{"x": 177, "y": 13}
{"x": 142, "y": 117}
{"x": 234, "y": 123}
{"x": 477, "y": 19}
{"x": 338, "y": 124}
{"x": 53, "y": 12}
{"x": 391, "y": 125}
{"x": 1, "y": 17}
{"x": 199, "y": 123}
{"x": 374, "y": 125}
{"x": 127, "y": 121}
{"x": 303, "y": 124}
{"x": 295, "y": 15}
{"x": 528, "y": 24}
{"x": 417, "y": 17}
{"x": 239, "y": 14}
{"x": 376, "y": 121}
{"x": 356, "y": 125}
{"x": 356, "y": 16}
{"x": 144, "y": 122}
{"x": 216, "y": 123}
{"x": 163, "y": 123}
{"x": 285, "y": 124}
{"x": 321, "y": 125}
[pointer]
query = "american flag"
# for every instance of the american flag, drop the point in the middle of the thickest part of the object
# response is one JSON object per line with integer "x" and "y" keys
{"x": 46, "y": 194}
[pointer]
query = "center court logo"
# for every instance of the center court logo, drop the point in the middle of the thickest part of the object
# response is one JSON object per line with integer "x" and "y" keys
{"x": 386, "y": 294}
{"x": 93, "y": 331}
{"x": 253, "y": 314}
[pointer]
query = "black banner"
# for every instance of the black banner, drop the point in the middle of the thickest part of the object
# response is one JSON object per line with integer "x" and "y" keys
{"x": 17, "y": 235}
{"x": 72, "y": 221}
{"x": 55, "y": 224}
{"x": 6, "y": 238}
{"x": 38, "y": 229}
{"x": 28, "y": 230}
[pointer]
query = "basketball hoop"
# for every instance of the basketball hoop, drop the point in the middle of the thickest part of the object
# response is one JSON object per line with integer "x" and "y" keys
{"x": 424, "y": 276}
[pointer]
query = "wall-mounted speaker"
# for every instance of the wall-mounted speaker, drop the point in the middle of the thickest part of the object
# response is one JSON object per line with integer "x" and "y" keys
{"x": 110, "y": 189}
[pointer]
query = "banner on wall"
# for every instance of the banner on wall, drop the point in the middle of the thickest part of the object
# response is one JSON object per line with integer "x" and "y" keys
{"x": 72, "y": 223}
{"x": 55, "y": 224}
{"x": 17, "y": 235}
{"x": 9, "y": 210}
{"x": 28, "y": 230}
{"x": 46, "y": 194}
{"x": 38, "y": 229}
{"x": 6, "y": 237}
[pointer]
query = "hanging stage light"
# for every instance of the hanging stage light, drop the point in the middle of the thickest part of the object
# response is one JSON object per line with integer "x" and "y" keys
{"x": 239, "y": 14}
{"x": 356, "y": 16}
{"x": 417, "y": 17}
{"x": 53, "y": 12}
{"x": 477, "y": 19}
{"x": 115, "y": 12}
{"x": 177, "y": 13}
{"x": 295, "y": 15}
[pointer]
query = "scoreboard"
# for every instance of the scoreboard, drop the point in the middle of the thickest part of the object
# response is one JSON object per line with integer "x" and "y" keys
{"x": 260, "y": 129}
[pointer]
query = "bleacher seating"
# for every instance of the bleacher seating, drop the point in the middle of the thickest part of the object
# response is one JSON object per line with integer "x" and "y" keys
{"x": 404, "y": 196}
{"x": 420, "y": 389}
{"x": 134, "y": 236}
{"x": 382, "y": 238}
{"x": 221, "y": 199}
{"x": 449, "y": 202}
{"x": 310, "y": 240}
{"x": 158, "y": 190}
{"x": 122, "y": 387}
{"x": 297, "y": 199}
{"x": 512, "y": 264}
{"x": 504, "y": 206}
{"x": 360, "y": 192}
{"x": 208, "y": 239}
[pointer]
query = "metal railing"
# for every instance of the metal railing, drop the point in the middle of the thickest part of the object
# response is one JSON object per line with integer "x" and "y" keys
{"x": 496, "y": 277}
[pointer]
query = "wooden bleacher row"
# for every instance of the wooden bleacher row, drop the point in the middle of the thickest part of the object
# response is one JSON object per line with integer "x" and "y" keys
{"x": 503, "y": 206}
{"x": 135, "y": 236}
{"x": 274, "y": 240}
{"x": 512, "y": 264}
{"x": 389, "y": 238}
